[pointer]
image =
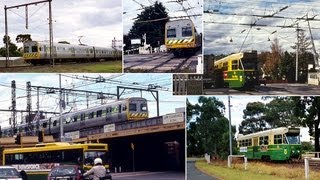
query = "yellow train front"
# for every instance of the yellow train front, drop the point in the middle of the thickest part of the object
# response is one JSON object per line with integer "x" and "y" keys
{"x": 181, "y": 37}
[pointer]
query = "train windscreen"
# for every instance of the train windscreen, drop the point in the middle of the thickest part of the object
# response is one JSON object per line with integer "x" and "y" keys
{"x": 171, "y": 33}
{"x": 186, "y": 31}
{"x": 292, "y": 139}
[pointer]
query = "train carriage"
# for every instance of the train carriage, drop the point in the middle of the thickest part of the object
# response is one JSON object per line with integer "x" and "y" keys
{"x": 181, "y": 37}
{"x": 238, "y": 70}
{"x": 134, "y": 109}
{"x": 280, "y": 144}
{"x": 38, "y": 52}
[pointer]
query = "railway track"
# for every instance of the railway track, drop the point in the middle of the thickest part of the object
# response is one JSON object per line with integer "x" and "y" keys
{"x": 160, "y": 62}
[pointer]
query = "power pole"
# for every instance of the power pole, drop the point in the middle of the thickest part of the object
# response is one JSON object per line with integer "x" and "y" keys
{"x": 29, "y": 107}
{"x": 230, "y": 138}
{"x": 26, "y": 8}
{"x": 297, "y": 53}
{"x": 60, "y": 107}
{"x": 13, "y": 106}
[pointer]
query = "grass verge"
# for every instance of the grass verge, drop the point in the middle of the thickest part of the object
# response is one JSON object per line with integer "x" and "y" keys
{"x": 256, "y": 170}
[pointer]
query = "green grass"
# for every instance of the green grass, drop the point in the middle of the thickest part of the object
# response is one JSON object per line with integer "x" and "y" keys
{"x": 99, "y": 67}
{"x": 258, "y": 171}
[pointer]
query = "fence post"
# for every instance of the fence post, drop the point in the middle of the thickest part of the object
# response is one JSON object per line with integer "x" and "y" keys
{"x": 245, "y": 163}
{"x": 229, "y": 161}
{"x": 306, "y": 168}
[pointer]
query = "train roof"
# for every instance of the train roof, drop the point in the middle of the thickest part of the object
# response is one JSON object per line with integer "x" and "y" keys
{"x": 280, "y": 130}
{"x": 63, "y": 44}
{"x": 179, "y": 20}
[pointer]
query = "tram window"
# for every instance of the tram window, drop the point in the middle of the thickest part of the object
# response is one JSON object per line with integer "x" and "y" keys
{"x": 186, "y": 31}
{"x": 99, "y": 113}
{"x": 68, "y": 120}
{"x": 171, "y": 33}
{"x": 235, "y": 65}
{"x": 250, "y": 142}
{"x": 34, "y": 48}
{"x": 119, "y": 108}
{"x": 143, "y": 107}
{"x": 109, "y": 109}
{"x": 278, "y": 139}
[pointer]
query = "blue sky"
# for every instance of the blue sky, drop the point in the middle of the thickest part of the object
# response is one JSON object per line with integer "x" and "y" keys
{"x": 230, "y": 37}
{"x": 49, "y": 102}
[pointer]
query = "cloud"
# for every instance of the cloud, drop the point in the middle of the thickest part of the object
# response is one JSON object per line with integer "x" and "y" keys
{"x": 219, "y": 28}
{"x": 92, "y": 19}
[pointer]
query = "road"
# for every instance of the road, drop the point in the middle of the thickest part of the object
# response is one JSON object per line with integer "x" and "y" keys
{"x": 269, "y": 89}
{"x": 194, "y": 173}
{"x": 145, "y": 175}
{"x": 160, "y": 62}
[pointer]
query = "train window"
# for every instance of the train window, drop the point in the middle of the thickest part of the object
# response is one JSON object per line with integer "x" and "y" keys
{"x": 68, "y": 120}
{"x": 34, "y": 48}
{"x": 235, "y": 65}
{"x": 99, "y": 113}
{"x": 115, "y": 110}
{"x": 119, "y": 108}
{"x": 124, "y": 107}
{"x": 109, "y": 109}
{"x": 186, "y": 31}
{"x": 86, "y": 116}
{"x": 82, "y": 117}
{"x": 44, "y": 125}
{"x": 132, "y": 107}
{"x": 75, "y": 118}
{"x": 278, "y": 139}
{"x": 91, "y": 115}
{"x": 26, "y": 49}
{"x": 143, "y": 107}
{"x": 171, "y": 33}
{"x": 55, "y": 122}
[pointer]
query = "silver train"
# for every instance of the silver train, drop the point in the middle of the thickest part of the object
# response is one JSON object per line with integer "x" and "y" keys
{"x": 38, "y": 52}
{"x": 134, "y": 108}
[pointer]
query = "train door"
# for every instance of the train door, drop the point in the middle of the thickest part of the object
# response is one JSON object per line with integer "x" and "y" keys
{"x": 255, "y": 147}
{"x": 45, "y": 54}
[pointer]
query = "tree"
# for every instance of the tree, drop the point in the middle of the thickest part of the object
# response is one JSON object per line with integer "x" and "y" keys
{"x": 276, "y": 113}
{"x": 305, "y": 57}
{"x": 209, "y": 133}
{"x": 308, "y": 110}
{"x": 151, "y": 21}
{"x": 22, "y": 38}
{"x": 254, "y": 118}
{"x": 287, "y": 66}
{"x": 13, "y": 49}
{"x": 271, "y": 65}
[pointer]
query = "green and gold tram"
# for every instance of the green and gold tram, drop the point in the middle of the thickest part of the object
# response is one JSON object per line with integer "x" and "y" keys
{"x": 278, "y": 144}
{"x": 238, "y": 70}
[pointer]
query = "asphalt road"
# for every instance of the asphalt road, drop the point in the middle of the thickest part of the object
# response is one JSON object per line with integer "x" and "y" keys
{"x": 194, "y": 174}
{"x": 149, "y": 176}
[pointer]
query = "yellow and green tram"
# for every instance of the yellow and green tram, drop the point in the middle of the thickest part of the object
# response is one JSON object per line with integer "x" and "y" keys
{"x": 39, "y": 160}
{"x": 279, "y": 144}
{"x": 238, "y": 70}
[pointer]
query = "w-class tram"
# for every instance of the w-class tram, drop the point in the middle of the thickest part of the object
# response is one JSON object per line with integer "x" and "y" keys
{"x": 278, "y": 144}
{"x": 38, "y": 52}
{"x": 130, "y": 109}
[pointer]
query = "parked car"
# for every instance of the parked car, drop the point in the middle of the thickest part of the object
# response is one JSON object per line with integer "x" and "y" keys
{"x": 9, "y": 173}
{"x": 66, "y": 172}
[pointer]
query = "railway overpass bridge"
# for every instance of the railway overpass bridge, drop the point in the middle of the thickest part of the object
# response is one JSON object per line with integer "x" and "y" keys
{"x": 153, "y": 144}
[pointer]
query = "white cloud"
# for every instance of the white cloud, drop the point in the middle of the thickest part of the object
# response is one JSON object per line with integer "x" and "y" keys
{"x": 98, "y": 21}
{"x": 220, "y": 29}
